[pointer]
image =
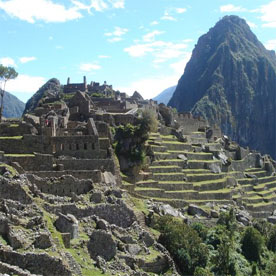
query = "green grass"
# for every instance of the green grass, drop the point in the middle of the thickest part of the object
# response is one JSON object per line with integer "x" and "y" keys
{"x": 3, "y": 241}
{"x": 19, "y": 155}
{"x": 14, "y": 125}
{"x": 220, "y": 191}
{"x": 11, "y": 137}
{"x": 139, "y": 205}
{"x": 172, "y": 173}
{"x": 222, "y": 180}
{"x": 11, "y": 169}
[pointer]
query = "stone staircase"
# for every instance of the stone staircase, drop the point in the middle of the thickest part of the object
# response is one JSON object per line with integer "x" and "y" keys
{"x": 181, "y": 173}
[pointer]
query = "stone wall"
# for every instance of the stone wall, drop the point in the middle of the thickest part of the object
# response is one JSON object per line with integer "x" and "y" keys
{"x": 94, "y": 175}
{"x": 248, "y": 161}
{"x": 62, "y": 186}
{"x": 27, "y": 144}
{"x": 36, "y": 162}
{"x": 189, "y": 122}
{"x": 15, "y": 128}
{"x": 83, "y": 146}
{"x": 88, "y": 164}
{"x": 42, "y": 263}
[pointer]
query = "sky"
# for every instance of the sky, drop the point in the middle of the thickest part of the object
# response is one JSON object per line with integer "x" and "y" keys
{"x": 135, "y": 45}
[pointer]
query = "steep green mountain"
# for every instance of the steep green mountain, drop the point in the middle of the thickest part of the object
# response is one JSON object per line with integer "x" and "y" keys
{"x": 13, "y": 107}
{"x": 50, "y": 89}
{"x": 231, "y": 81}
{"x": 165, "y": 95}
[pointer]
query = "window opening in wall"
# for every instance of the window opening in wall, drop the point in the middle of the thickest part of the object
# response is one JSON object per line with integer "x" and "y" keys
{"x": 85, "y": 146}
{"x": 70, "y": 147}
{"x": 61, "y": 146}
{"x": 93, "y": 146}
{"x": 77, "y": 146}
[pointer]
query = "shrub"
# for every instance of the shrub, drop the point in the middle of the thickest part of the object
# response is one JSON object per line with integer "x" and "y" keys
{"x": 252, "y": 244}
{"x": 183, "y": 243}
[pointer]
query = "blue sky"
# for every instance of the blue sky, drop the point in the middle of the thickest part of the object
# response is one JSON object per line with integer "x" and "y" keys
{"x": 138, "y": 45}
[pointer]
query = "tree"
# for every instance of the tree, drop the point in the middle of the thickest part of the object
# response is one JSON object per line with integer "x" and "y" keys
{"x": 6, "y": 74}
{"x": 252, "y": 244}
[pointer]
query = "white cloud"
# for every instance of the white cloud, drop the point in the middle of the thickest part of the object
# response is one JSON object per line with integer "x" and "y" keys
{"x": 271, "y": 44}
{"x": 118, "y": 4}
{"x": 161, "y": 50}
{"x": 151, "y": 36}
{"x": 168, "y": 17}
{"x": 88, "y": 67}
{"x": 26, "y": 59}
{"x": 268, "y": 14}
{"x": 251, "y": 24}
{"x": 45, "y": 10}
{"x": 25, "y": 84}
{"x": 49, "y": 11}
{"x": 51, "y": 38}
{"x": 117, "y": 34}
{"x": 7, "y": 61}
{"x": 103, "y": 56}
{"x": 150, "y": 87}
{"x": 154, "y": 23}
{"x": 180, "y": 10}
{"x": 179, "y": 66}
{"x": 231, "y": 8}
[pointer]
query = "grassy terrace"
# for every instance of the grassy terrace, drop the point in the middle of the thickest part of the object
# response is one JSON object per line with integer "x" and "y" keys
{"x": 220, "y": 191}
{"x": 161, "y": 167}
{"x": 19, "y": 155}
{"x": 11, "y": 137}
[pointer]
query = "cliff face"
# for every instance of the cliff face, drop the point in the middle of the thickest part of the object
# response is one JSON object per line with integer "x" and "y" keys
{"x": 231, "y": 81}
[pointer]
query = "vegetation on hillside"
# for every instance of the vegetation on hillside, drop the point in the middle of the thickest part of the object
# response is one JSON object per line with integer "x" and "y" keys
{"x": 129, "y": 140}
{"x": 224, "y": 249}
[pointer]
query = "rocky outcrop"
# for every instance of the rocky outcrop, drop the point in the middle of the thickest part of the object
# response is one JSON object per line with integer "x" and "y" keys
{"x": 231, "y": 81}
{"x": 50, "y": 89}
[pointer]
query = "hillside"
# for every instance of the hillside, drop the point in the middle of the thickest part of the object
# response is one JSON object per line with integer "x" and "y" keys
{"x": 13, "y": 107}
{"x": 231, "y": 81}
{"x": 165, "y": 95}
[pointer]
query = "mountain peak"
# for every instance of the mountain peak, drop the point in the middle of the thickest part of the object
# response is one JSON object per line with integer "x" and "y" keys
{"x": 230, "y": 80}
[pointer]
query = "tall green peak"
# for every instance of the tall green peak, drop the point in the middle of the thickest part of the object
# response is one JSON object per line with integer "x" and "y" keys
{"x": 230, "y": 80}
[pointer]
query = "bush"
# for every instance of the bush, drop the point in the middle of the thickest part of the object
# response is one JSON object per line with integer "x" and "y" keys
{"x": 252, "y": 244}
{"x": 183, "y": 243}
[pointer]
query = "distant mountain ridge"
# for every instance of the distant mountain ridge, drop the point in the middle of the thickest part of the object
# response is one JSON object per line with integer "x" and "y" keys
{"x": 165, "y": 95}
{"x": 231, "y": 80}
{"x": 13, "y": 107}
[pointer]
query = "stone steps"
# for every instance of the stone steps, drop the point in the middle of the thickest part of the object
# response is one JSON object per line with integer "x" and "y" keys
{"x": 156, "y": 148}
{"x": 204, "y": 177}
{"x": 265, "y": 186}
{"x": 175, "y": 185}
{"x": 165, "y": 169}
{"x": 168, "y": 176}
{"x": 202, "y": 164}
{"x": 167, "y": 186}
{"x": 150, "y": 192}
{"x": 195, "y": 171}
{"x": 210, "y": 185}
{"x": 197, "y": 134}
{"x": 210, "y": 195}
{"x": 197, "y": 140}
{"x": 185, "y": 195}
{"x": 191, "y": 155}
{"x": 213, "y": 201}
{"x": 261, "y": 207}
{"x": 253, "y": 200}
{"x": 179, "y": 146}
{"x": 169, "y": 162}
